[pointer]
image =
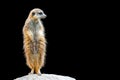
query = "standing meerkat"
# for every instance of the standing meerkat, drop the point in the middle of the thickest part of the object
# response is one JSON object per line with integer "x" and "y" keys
{"x": 34, "y": 40}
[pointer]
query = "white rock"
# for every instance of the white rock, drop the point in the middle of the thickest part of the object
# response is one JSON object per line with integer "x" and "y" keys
{"x": 44, "y": 77}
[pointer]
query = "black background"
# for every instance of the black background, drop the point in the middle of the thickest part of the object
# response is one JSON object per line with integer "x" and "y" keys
{"x": 71, "y": 34}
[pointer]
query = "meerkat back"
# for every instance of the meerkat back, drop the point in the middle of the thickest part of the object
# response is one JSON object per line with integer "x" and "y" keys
{"x": 34, "y": 40}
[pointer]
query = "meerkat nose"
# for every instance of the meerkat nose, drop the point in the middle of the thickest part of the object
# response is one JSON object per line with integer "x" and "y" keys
{"x": 45, "y": 15}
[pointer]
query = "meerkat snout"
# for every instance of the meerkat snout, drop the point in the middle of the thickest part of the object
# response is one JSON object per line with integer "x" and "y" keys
{"x": 42, "y": 15}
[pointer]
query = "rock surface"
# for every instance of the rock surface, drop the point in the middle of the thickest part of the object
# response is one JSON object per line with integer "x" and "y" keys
{"x": 44, "y": 77}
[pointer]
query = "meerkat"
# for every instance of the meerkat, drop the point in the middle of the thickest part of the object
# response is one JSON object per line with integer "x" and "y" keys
{"x": 34, "y": 41}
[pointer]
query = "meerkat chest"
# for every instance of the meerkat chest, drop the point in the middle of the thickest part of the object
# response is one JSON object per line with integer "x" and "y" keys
{"x": 36, "y": 30}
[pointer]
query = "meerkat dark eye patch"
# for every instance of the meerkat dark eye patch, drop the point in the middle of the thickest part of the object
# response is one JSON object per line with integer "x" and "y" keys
{"x": 33, "y": 13}
{"x": 40, "y": 13}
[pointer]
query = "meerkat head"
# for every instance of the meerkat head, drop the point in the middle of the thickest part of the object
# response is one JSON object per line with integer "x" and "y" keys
{"x": 37, "y": 14}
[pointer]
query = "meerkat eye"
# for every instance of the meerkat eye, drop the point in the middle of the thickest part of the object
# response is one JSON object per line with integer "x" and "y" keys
{"x": 33, "y": 13}
{"x": 40, "y": 13}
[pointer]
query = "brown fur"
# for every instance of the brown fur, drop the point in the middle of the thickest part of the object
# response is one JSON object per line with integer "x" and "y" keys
{"x": 34, "y": 46}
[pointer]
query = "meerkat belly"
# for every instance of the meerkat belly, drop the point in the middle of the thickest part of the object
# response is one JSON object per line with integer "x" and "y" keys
{"x": 36, "y": 32}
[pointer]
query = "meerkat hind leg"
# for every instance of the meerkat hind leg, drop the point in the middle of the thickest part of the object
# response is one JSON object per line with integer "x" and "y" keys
{"x": 39, "y": 73}
{"x": 32, "y": 71}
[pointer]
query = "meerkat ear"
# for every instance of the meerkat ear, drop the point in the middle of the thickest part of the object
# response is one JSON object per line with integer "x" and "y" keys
{"x": 33, "y": 13}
